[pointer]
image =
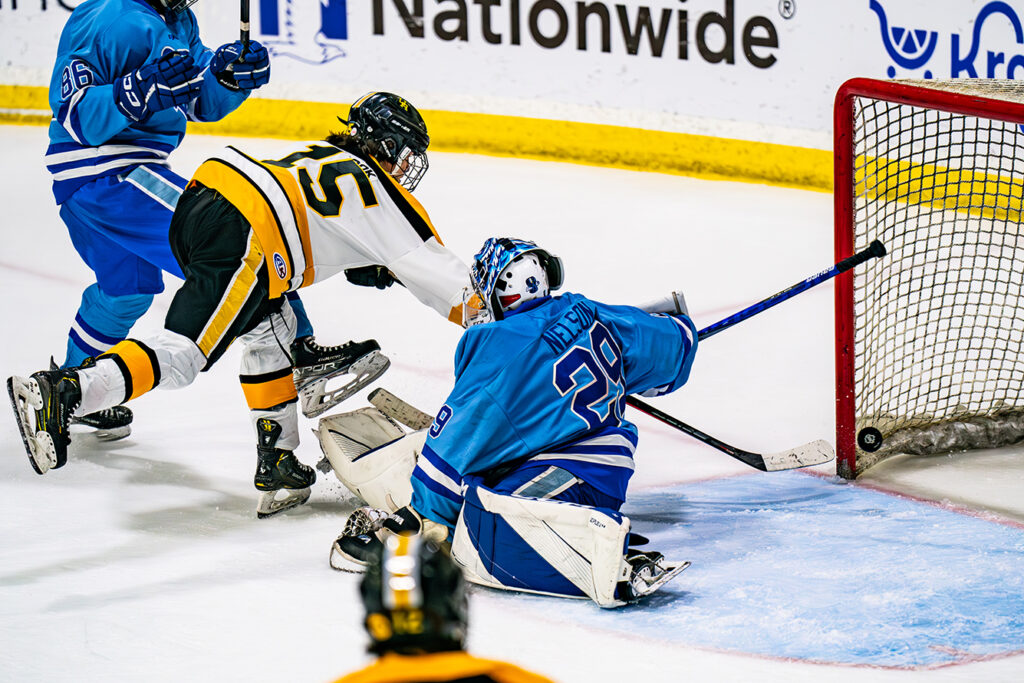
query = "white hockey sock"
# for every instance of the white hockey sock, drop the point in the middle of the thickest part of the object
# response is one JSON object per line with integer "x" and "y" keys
{"x": 285, "y": 415}
{"x": 102, "y": 387}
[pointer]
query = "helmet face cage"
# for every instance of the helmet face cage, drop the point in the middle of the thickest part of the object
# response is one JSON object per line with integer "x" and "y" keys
{"x": 502, "y": 255}
{"x": 415, "y": 598}
{"x": 395, "y": 133}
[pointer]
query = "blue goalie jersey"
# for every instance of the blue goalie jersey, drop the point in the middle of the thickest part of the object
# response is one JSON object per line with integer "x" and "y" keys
{"x": 553, "y": 373}
{"x": 103, "y": 41}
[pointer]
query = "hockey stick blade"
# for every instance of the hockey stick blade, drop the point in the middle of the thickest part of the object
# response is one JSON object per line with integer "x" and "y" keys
{"x": 813, "y": 453}
{"x": 397, "y": 409}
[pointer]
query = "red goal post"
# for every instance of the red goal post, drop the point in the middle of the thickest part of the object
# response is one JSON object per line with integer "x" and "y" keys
{"x": 929, "y": 339}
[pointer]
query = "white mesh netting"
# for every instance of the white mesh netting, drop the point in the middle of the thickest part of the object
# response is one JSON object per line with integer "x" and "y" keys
{"x": 939, "y": 322}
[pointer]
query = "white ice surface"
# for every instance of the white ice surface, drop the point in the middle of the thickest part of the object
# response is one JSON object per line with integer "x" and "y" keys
{"x": 143, "y": 559}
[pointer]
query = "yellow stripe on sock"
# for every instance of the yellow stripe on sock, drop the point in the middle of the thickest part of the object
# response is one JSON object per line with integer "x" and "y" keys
{"x": 138, "y": 364}
{"x": 264, "y": 395}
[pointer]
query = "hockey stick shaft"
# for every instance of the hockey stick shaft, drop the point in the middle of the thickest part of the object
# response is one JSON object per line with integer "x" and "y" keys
{"x": 813, "y": 453}
{"x": 244, "y": 23}
{"x": 874, "y": 250}
{"x": 752, "y": 459}
{"x": 801, "y": 457}
{"x": 809, "y": 454}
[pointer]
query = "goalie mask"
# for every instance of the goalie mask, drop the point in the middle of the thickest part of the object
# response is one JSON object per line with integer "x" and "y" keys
{"x": 394, "y": 133}
{"x": 509, "y": 272}
{"x": 415, "y": 598}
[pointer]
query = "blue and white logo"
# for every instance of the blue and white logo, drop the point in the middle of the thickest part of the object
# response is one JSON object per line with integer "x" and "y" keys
{"x": 985, "y": 51}
{"x": 279, "y": 266}
{"x": 297, "y": 31}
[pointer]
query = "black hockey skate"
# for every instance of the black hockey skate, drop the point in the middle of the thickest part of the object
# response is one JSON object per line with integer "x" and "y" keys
{"x": 314, "y": 365}
{"x": 648, "y": 571}
{"x": 365, "y": 529}
{"x": 52, "y": 395}
{"x": 278, "y": 470}
{"x": 111, "y": 424}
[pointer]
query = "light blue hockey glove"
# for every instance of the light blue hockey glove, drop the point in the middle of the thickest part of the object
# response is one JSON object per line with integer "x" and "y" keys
{"x": 171, "y": 81}
{"x": 238, "y": 67}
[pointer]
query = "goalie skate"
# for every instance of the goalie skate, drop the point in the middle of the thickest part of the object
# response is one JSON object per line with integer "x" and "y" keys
{"x": 349, "y": 549}
{"x": 648, "y": 572}
{"x": 314, "y": 395}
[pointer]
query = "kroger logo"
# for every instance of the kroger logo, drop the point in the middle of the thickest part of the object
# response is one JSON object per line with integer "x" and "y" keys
{"x": 298, "y": 32}
{"x": 912, "y": 48}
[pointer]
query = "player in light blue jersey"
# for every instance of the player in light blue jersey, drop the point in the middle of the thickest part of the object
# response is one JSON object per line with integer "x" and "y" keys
{"x": 526, "y": 465}
{"x": 129, "y": 74}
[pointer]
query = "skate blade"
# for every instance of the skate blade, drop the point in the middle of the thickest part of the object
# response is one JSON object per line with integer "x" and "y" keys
{"x": 25, "y": 396}
{"x": 115, "y": 434}
{"x": 315, "y": 397}
{"x": 673, "y": 569}
{"x": 269, "y": 504}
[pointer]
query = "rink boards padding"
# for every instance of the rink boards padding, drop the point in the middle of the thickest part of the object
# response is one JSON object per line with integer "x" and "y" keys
{"x": 788, "y": 565}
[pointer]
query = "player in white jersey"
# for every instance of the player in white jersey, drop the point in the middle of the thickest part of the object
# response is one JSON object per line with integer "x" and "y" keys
{"x": 245, "y": 233}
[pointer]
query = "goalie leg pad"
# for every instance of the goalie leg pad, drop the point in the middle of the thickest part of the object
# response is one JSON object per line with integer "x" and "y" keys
{"x": 541, "y": 546}
{"x": 372, "y": 456}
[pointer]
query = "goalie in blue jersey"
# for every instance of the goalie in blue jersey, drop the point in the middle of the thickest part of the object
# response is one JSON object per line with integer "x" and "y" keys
{"x": 128, "y": 76}
{"x": 525, "y": 467}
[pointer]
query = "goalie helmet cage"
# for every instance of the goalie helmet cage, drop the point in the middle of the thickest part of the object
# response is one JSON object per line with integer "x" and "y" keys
{"x": 929, "y": 339}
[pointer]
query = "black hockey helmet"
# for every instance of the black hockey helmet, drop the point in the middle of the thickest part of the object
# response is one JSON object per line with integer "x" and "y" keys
{"x": 394, "y": 132}
{"x": 415, "y": 598}
{"x": 175, "y": 6}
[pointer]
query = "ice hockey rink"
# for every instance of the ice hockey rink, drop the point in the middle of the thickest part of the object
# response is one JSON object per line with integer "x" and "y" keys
{"x": 143, "y": 560}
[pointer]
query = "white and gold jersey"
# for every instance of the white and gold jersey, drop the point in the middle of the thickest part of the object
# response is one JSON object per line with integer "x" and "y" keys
{"x": 318, "y": 210}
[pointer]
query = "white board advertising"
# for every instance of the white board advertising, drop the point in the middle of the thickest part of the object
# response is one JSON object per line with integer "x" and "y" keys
{"x": 762, "y": 70}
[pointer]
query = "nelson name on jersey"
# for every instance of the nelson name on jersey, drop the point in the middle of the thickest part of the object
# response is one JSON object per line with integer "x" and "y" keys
{"x": 570, "y": 326}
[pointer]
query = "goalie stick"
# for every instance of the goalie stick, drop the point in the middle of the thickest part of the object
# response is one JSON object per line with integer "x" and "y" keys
{"x": 875, "y": 250}
{"x": 399, "y": 410}
{"x": 814, "y": 453}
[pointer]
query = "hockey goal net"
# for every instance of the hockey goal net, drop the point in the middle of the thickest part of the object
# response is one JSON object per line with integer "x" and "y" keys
{"x": 929, "y": 339}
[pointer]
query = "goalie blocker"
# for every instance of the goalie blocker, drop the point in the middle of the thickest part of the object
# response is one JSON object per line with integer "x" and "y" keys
{"x": 511, "y": 542}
